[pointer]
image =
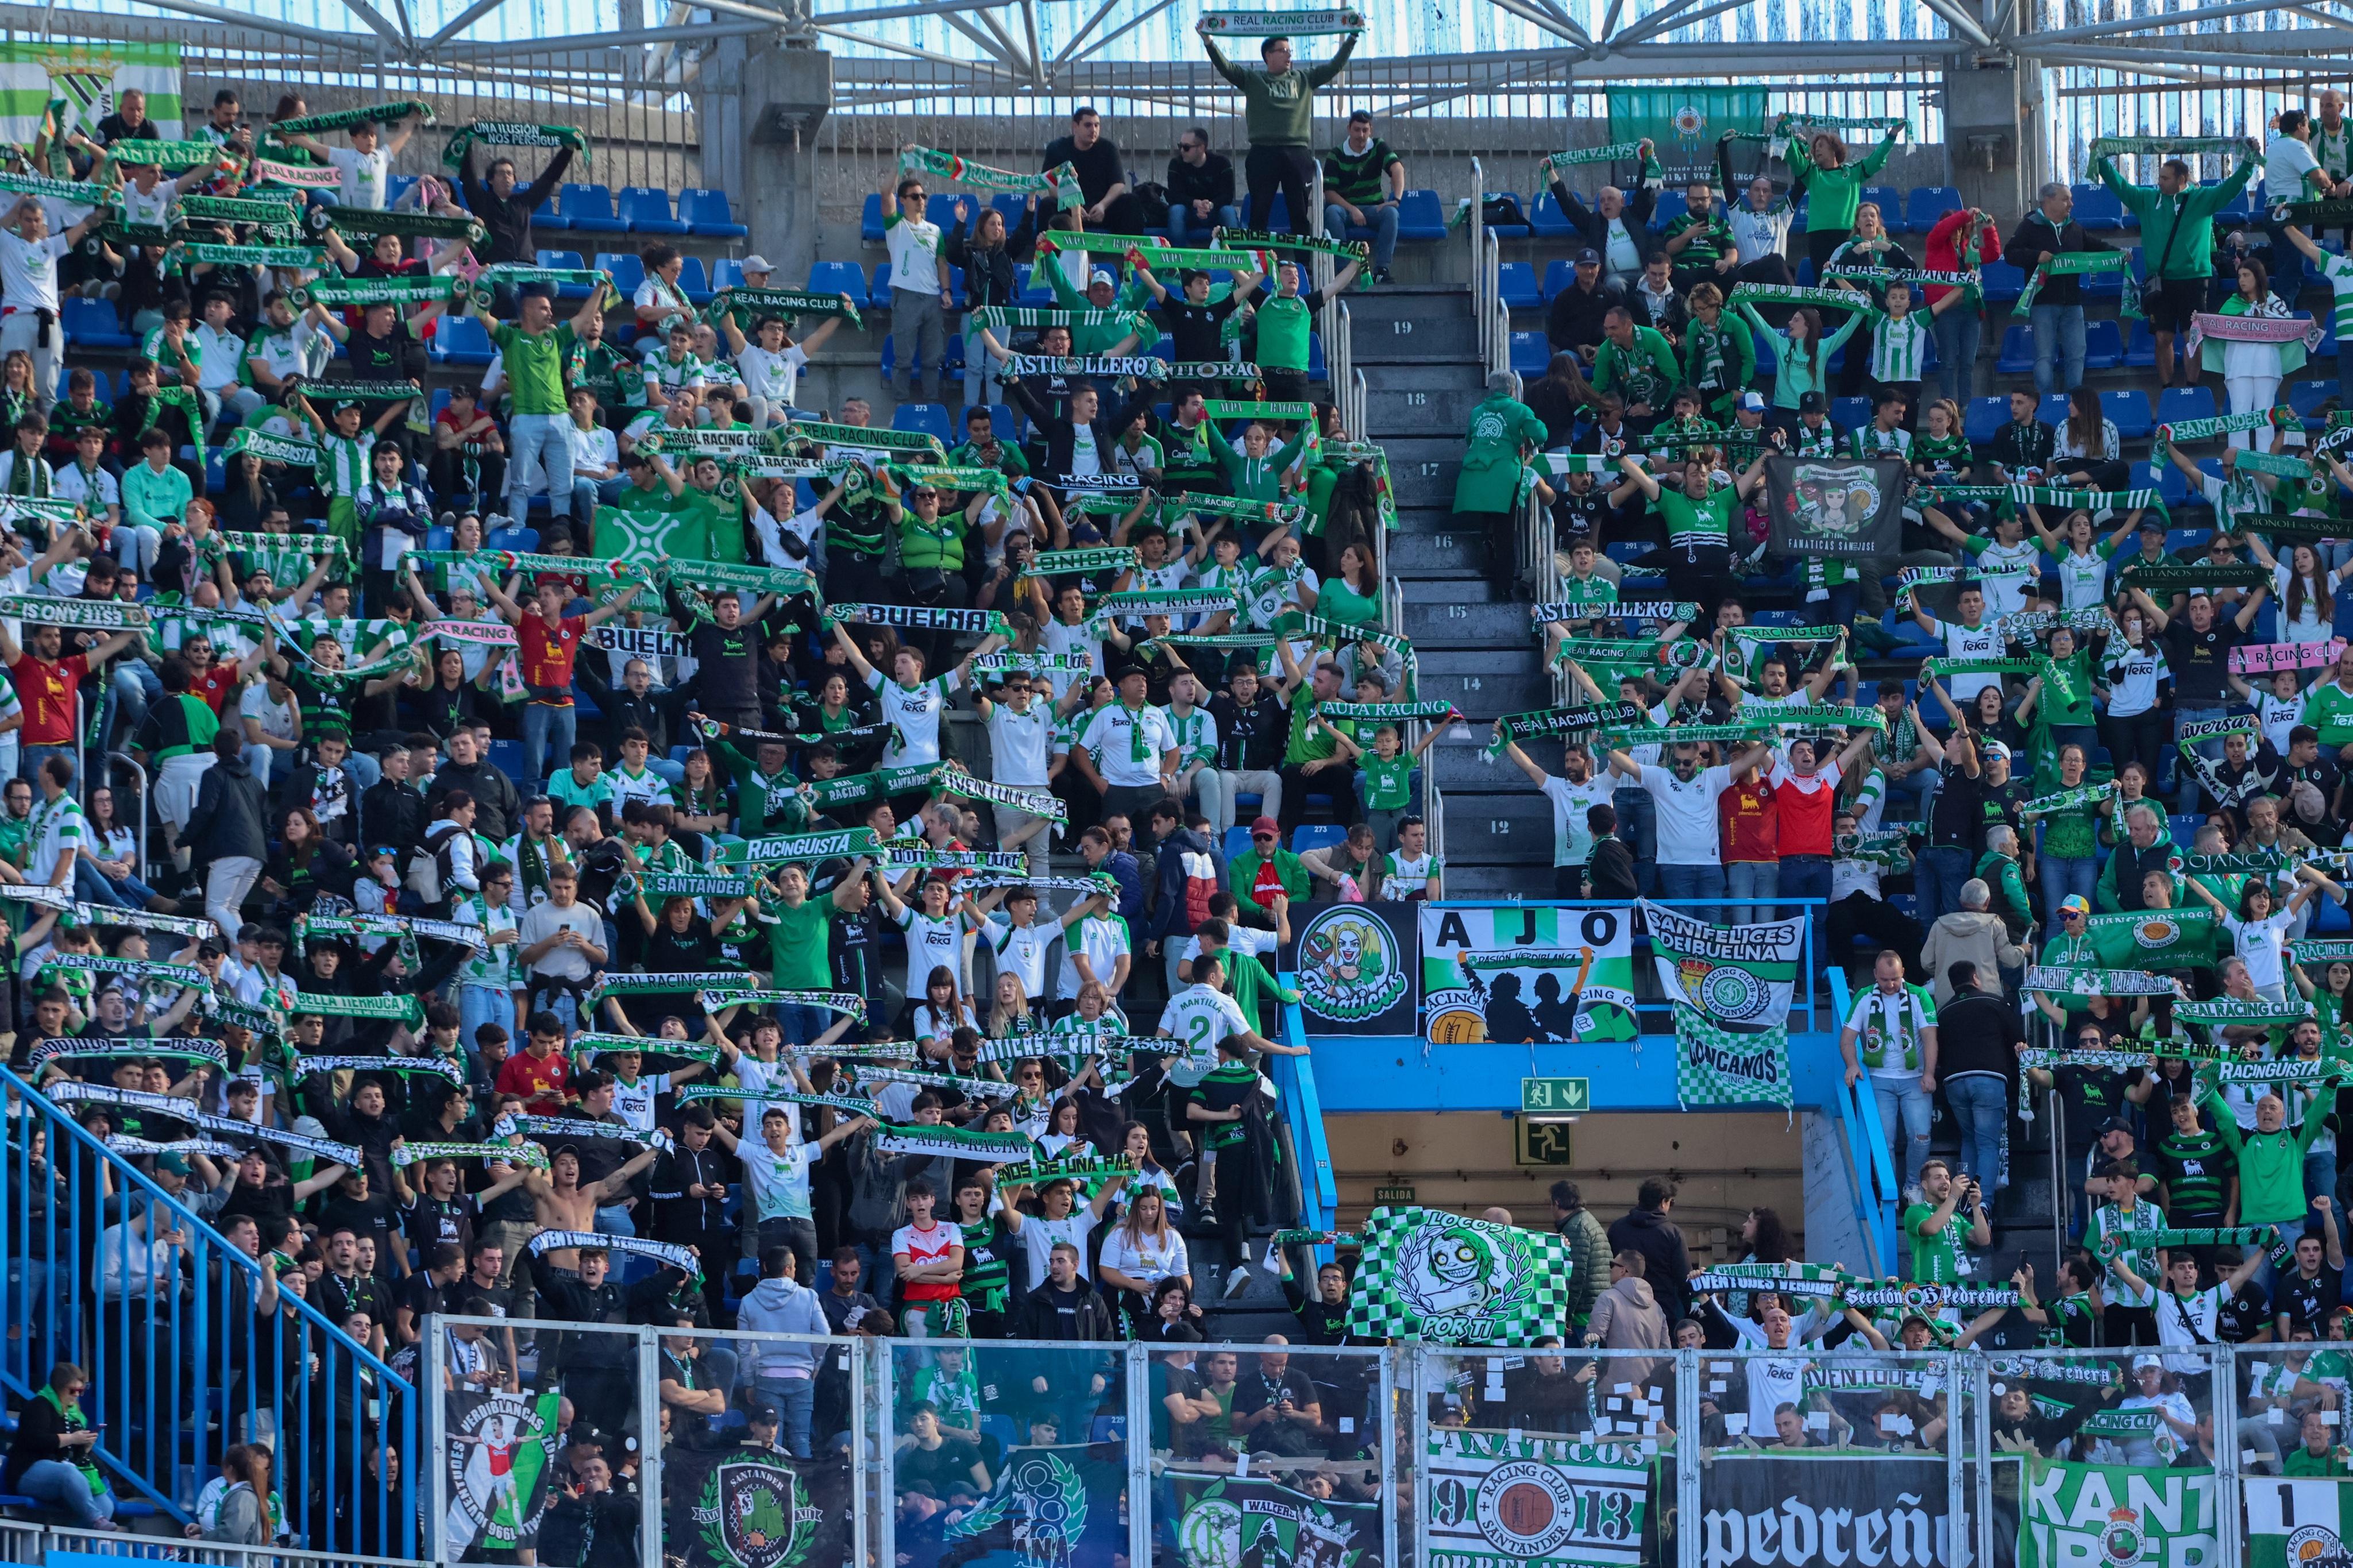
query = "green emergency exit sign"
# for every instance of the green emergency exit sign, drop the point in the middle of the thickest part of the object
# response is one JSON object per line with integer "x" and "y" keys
{"x": 1401, "y": 1195}
{"x": 1555, "y": 1095}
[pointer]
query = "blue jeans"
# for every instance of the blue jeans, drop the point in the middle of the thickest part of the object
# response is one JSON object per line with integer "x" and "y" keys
{"x": 547, "y": 728}
{"x": 539, "y": 457}
{"x": 62, "y": 1489}
{"x": 1187, "y": 232}
{"x": 1758, "y": 879}
{"x": 1809, "y": 877}
{"x": 1905, "y": 1112}
{"x": 481, "y": 1004}
{"x": 1384, "y": 224}
{"x": 1699, "y": 882}
{"x": 91, "y": 886}
{"x": 587, "y": 495}
{"x": 2286, "y": 269}
{"x": 1961, "y": 331}
{"x": 802, "y": 1024}
{"x": 2319, "y": 1179}
{"x": 795, "y": 1399}
{"x": 133, "y": 685}
{"x": 1981, "y": 1104}
{"x": 2058, "y": 877}
{"x": 1937, "y": 878}
{"x": 614, "y": 1219}
{"x": 1638, "y": 825}
{"x": 2058, "y": 335}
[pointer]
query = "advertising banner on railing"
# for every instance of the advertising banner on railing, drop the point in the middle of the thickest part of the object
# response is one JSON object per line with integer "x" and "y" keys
{"x": 1530, "y": 973}
{"x": 2292, "y": 1520}
{"x": 1772, "y": 1510}
{"x": 1225, "y": 1521}
{"x": 1495, "y": 1498}
{"x": 500, "y": 1448}
{"x": 2073, "y": 1514}
{"x": 1355, "y": 963}
{"x": 752, "y": 1507}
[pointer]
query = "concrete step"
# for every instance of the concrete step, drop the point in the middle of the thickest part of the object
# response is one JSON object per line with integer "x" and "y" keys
{"x": 1499, "y": 829}
{"x": 1469, "y": 679}
{"x": 1406, "y": 343}
{"x": 1461, "y": 772}
{"x": 1531, "y": 881}
{"x": 1466, "y": 624}
{"x": 1418, "y": 556}
{"x": 1405, "y": 407}
{"x": 1369, "y": 312}
{"x": 1450, "y": 592}
{"x": 1422, "y": 480}
{"x": 1430, "y": 372}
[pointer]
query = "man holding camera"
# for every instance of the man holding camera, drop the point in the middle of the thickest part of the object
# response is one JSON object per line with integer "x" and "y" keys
{"x": 1934, "y": 1230}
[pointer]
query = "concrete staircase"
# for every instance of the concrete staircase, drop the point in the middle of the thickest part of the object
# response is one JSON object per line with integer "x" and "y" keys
{"x": 1419, "y": 350}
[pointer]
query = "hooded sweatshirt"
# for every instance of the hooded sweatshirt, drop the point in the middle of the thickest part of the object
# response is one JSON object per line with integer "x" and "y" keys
{"x": 781, "y": 1307}
{"x": 1627, "y": 1318}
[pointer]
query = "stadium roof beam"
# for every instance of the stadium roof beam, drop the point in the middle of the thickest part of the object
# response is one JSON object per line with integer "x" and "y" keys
{"x": 2153, "y": 23}
{"x": 374, "y": 19}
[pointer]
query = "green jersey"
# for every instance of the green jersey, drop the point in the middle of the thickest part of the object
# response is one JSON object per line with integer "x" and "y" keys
{"x": 1899, "y": 344}
{"x": 534, "y": 368}
{"x": 1936, "y": 1256}
{"x": 1283, "y": 324}
{"x": 1388, "y": 782}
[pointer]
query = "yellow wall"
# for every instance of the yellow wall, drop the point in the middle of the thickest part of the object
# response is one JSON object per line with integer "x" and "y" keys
{"x": 1726, "y": 1163}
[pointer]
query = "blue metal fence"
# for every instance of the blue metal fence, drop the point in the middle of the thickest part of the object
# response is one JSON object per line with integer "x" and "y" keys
{"x": 192, "y": 1343}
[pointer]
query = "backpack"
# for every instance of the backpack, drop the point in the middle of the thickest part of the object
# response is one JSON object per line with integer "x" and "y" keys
{"x": 1200, "y": 870}
{"x": 428, "y": 864}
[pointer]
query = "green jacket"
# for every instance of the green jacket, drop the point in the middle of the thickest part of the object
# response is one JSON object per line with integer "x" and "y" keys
{"x": 763, "y": 805}
{"x": 2271, "y": 1165}
{"x": 2190, "y": 215}
{"x": 1279, "y": 110}
{"x": 1286, "y": 868}
{"x": 1646, "y": 373}
{"x": 1501, "y": 429}
{"x": 1832, "y": 194}
{"x": 1999, "y": 874}
{"x": 1731, "y": 348}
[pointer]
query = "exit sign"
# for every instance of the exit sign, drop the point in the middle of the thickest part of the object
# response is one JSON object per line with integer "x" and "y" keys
{"x": 1385, "y": 1195}
{"x": 1555, "y": 1095}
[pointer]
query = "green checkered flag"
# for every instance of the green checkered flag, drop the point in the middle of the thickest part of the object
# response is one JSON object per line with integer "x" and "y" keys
{"x": 1731, "y": 987}
{"x": 1429, "y": 1275}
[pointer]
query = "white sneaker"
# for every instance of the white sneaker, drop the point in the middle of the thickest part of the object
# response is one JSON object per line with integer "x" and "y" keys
{"x": 1238, "y": 1282}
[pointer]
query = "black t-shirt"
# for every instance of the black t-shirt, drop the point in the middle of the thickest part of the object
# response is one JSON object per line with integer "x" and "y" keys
{"x": 2243, "y": 1316}
{"x": 432, "y": 1223}
{"x": 938, "y": 1471}
{"x": 1254, "y": 1390}
{"x": 1959, "y": 820}
{"x": 387, "y": 358}
{"x": 376, "y": 1215}
{"x": 2090, "y": 1095}
{"x": 669, "y": 952}
{"x": 2308, "y": 1303}
{"x": 1099, "y": 168}
{"x": 1999, "y": 804}
{"x": 2200, "y": 661}
{"x": 1194, "y": 330}
{"x": 2322, "y": 773}
{"x": 421, "y": 1296}
{"x": 1578, "y": 517}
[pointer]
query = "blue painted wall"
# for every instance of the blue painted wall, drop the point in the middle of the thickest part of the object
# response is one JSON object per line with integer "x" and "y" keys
{"x": 1393, "y": 1073}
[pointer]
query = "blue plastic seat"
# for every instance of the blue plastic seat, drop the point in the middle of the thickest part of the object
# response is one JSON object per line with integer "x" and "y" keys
{"x": 2103, "y": 345}
{"x": 2017, "y": 357}
{"x": 1668, "y": 206}
{"x": 462, "y": 339}
{"x": 1849, "y": 412}
{"x": 1034, "y": 294}
{"x": 1317, "y": 835}
{"x": 92, "y": 325}
{"x": 627, "y": 267}
{"x": 924, "y": 418}
{"x": 727, "y": 274}
{"x": 2178, "y": 403}
{"x": 1421, "y": 217}
{"x": 647, "y": 211}
{"x": 2052, "y": 409}
{"x": 1517, "y": 283}
{"x": 2001, "y": 283}
{"x": 2307, "y": 397}
{"x": 1531, "y": 354}
{"x": 1509, "y": 230}
{"x": 520, "y": 539}
{"x": 869, "y": 219}
{"x": 590, "y": 210}
{"x": 707, "y": 213}
{"x": 839, "y": 278}
{"x": 1928, "y": 205}
{"x": 566, "y": 259}
{"x": 1889, "y": 200}
{"x": 2098, "y": 209}
{"x": 692, "y": 282}
{"x": 2140, "y": 348}
{"x": 507, "y": 757}
{"x": 1548, "y": 220}
{"x": 1985, "y": 417}
{"x": 1238, "y": 842}
{"x": 2129, "y": 409}
{"x": 1559, "y": 275}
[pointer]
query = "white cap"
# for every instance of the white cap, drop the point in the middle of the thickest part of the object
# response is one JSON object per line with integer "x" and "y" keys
{"x": 758, "y": 263}
{"x": 1997, "y": 748}
{"x": 1101, "y": 275}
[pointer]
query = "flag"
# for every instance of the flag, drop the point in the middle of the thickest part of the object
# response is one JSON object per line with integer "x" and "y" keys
{"x": 1731, "y": 987}
{"x": 1498, "y": 1498}
{"x": 2296, "y": 1519}
{"x": 1048, "y": 1508}
{"x": 744, "y": 1508}
{"x": 1234, "y": 1519}
{"x": 1683, "y": 123}
{"x": 1846, "y": 510}
{"x": 500, "y": 1447}
{"x": 82, "y": 82}
{"x": 623, "y": 535}
{"x": 1429, "y": 1275}
{"x": 2154, "y": 939}
{"x": 1526, "y": 973}
{"x": 2075, "y": 1514}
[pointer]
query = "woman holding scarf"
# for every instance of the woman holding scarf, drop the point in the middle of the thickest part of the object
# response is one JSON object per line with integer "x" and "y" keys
{"x": 2252, "y": 368}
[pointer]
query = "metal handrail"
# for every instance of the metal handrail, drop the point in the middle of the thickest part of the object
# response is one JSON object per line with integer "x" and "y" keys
{"x": 1872, "y": 1168}
{"x": 1478, "y": 231}
{"x": 1359, "y": 398}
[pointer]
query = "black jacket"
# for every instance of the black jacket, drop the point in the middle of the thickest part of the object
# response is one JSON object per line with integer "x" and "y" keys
{"x": 623, "y": 712}
{"x": 1976, "y": 1034}
{"x": 392, "y": 812}
{"x": 299, "y": 785}
{"x": 1250, "y": 739}
{"x": 40, "y": 1430}
{"x": 1212, "y": 182}
{"x": 1609, "y": 874}
{"x": 2032, "y": 237}
{"x": 497, "y": 807}
{"x": 1576, "y": 316}
{"x": 1666, "y": 1264}
{"x": 509, "y": 219}
{"x": 1041, "y": 1320}
{"x": 1593, "y": 229}
{"x": 1059, "y": 436}
{"x": 988, "y": 275}
{"x": 228, "y": 820}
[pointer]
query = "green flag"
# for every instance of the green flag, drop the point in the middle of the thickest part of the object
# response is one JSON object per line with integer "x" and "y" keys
{"x": 1731, "y": 987}
{"x": 2085, "y": 1514}
{"x": 2154, "y": 939}
{"x": 500, "y": 1447}
{"x": 1683, "y": 123}
{"x": 1430, "y": 1275}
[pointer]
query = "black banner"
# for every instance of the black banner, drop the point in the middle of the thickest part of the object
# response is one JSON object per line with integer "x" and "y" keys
{"x": 1355, "y": 968}
{"x": 1223, "y": 1520}
{"x": 1772, "y": 1510}
{"x": 750, "y": 1508}
{"x": 1845, "y": 508}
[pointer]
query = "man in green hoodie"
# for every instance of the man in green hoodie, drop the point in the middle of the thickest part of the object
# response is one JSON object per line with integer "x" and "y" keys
{"x": 1488, "y": 492}
{"x": 1279, "y": 116}
{"x": 2177, "y": 232}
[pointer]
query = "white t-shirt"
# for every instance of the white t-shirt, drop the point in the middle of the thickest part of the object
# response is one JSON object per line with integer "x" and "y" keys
{"x": 1021, "y": 743}
{"x": 1773, "y": 1381}
{"x": 1102, "y": 938}
{"x": 774, "y": 376}
{"x": 1980, "y": 641}
{"x": 365, "y": 176}
{"x": 2286, "y": 161}
{"x": 1572, "y": 840}
{"x": 913, "y": 713}
{"x": 931, "y": 944}
{"x": 29, "y": 271}
{"x": 633, "y": 1102}
{"x": 915, "y": 247}
{"x": 1146, "y": 1257}
{"x": 1021, "y": 950}
{"x": 2132, "y": 674}
{"x": 1115, "y": 737}
{"x": 1037, "y": 1235}
{"x": 1197, "y": 1019}
{"x": 594, "y": 450}
{"x": 1686, "y": 813}
{"x": 2257, "y": 943}
{"x": 97, "y": 491}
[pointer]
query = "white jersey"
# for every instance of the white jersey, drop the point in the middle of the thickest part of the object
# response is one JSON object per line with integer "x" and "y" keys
{"x": 1198, "y": 1019}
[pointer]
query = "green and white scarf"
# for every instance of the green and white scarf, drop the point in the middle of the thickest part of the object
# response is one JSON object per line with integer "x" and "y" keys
{"x": 512, "y": 133}
{"x": 1061, "y": 182}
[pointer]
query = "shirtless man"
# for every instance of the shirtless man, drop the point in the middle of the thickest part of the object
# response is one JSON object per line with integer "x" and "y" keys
{"x": 561, "y": 1202}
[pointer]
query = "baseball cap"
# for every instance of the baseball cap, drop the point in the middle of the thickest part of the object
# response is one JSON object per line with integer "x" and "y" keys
{"x": 1754, "y": 401}
{"x": 1588, "y": 256}
{"x": 1812, "y": 403}
{"x": 1101, "y": 275}
{"x": 2143, "y": 1363}
{"x": 1997, "y": 748}
{"x": 758, "y": 263}
{"x": 2074, "y": 904}
{"x": 177, "y": 1165}
{"x": 1265, "y": 824}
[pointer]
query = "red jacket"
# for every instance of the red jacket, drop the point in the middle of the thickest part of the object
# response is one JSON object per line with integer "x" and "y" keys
{"x": 1942, "y": 252}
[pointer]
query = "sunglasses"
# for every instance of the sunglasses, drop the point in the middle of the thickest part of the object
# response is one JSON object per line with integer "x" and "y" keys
{"x": 1262, "y": 837}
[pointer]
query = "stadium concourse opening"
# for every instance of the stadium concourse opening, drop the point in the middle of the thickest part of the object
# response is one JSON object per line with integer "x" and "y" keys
{"x": 1198, "y": 788}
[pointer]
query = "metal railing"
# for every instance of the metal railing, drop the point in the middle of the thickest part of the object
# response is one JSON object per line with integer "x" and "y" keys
{"x": 1303, "y": 1107}
{"x": 184, "y": 1353}
{"x": 1485, "y": 284}
{"x": 1870, "y": 1165}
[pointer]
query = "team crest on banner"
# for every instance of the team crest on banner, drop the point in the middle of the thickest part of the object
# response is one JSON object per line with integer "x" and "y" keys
{"x": 1225, "y": 1521}
{"x": 1495, "y": 1498}
{"x": 1731, "y": 987}
{"x": 1351, "y": 966}
{"x": 1050, "y": 1508}
{"x": 2119, "y": 1516}
{"x": 1430, "y": 1275}
{"x": 1841, "y": 508}
{"x": 89, "y": 79}
{"x": 1527, "y": 973}
{"x": 757, "y": 1515}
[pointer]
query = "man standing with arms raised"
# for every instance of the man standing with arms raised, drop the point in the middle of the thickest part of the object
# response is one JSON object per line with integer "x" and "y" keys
{"x": 1278, "y": 117}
